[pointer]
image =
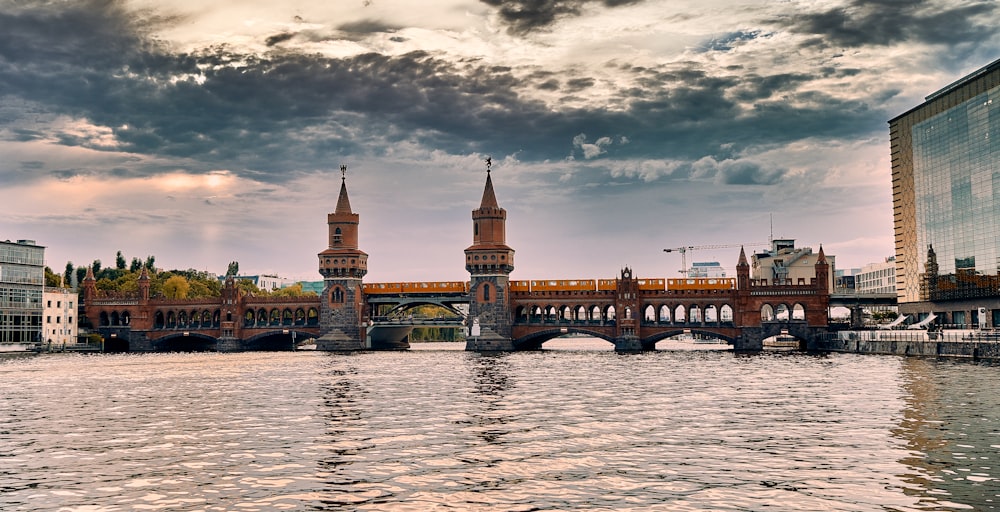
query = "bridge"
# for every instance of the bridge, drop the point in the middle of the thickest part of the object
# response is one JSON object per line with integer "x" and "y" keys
{"x": 499, "y": 314}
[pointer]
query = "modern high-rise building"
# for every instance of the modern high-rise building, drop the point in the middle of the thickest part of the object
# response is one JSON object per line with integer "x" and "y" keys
{"x": 946, "y": 202}
{"x": 22, "y": 277}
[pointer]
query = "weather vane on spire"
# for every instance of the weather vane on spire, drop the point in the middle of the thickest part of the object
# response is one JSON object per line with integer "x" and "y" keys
{"x": 343, "y": 172}
{"x": 489, "y": 163}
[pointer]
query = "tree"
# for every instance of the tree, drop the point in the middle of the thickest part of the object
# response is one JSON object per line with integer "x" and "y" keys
{"x": 294, "y": 290}
{"x": 68, "y": 275}
{"x": 176, "y": 287}
{"x": 234, "y": 269}
{"x": 96, "y": 266}
{"x": 150, "y": 261}
{"x": 81, "y": 274}
{"x": 120, "y": 261}
{"x": 51, "y": 278}
{"x": 136, "y": 265}
{"x": 249, "y": 288}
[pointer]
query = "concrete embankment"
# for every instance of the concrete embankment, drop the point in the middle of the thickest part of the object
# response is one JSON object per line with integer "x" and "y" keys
{"x": 973, "y": 349}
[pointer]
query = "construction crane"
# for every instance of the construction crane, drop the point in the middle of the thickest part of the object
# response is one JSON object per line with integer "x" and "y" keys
{"x": 685, "y": 249}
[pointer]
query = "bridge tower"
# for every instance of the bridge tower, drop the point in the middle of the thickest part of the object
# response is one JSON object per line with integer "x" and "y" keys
{"x": 489, "y": 261}
{"x": 626, "y": 312}
{"x": 343, "y": 266}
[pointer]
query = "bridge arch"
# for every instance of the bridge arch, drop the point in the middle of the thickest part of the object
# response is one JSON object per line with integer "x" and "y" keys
{"x": 185, "y": 342}
{"x": 276, "y": 340}
{"x": 535, "y": 340}
{"x": 649, "y": 343}
{"x": 402, "y": 308}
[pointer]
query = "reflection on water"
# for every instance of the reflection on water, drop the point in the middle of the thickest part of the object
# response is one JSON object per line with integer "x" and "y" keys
{"x": 436, "y": 427}
{"x": 951, "y": 426}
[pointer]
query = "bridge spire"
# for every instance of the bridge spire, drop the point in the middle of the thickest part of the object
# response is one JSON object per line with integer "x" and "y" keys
{"x": 489, "y": 196}
{"x": 343, "y": 202}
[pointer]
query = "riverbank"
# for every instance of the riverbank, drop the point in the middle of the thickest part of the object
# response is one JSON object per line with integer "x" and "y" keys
{"x": 969, "y": 349}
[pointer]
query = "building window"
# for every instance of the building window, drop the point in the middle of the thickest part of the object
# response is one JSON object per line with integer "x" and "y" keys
{"x": 337, "y": 236}
{"x": 486, "y": 292}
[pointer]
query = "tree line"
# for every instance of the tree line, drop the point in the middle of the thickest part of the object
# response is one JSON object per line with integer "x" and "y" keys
{"x": 170, "y": 284}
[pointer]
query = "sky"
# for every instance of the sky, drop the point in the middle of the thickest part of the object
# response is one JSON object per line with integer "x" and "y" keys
{"x": 208, "y": 132}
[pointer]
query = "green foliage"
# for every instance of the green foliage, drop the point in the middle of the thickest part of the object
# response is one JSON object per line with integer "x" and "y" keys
{"x": 294, "y": 290}
{"x": 233, "y": 269}
{"x": 81, "y": 273}
{"x": 176, "y": 287}
{"x": 136, "y": 265}
{"x": 249, "y": 288}
{"x": 68, "y": 274}
{"x": 150, "y": 263}
{"x": 51, "y": 278}
{"x": 96, "y": 266}
{"x": 119, "y": 261}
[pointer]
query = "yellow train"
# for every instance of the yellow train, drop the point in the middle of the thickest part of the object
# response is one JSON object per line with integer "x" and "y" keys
{"x": 553, "y": 285}
{"x": 414, "y": 287}
{"x": 702, "y": 283}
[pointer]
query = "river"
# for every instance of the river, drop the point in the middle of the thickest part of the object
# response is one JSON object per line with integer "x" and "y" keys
{"x": 573, "y": 427}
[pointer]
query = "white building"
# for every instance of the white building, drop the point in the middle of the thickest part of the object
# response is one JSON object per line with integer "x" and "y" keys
{"x": 877, "y": 278}
{"x": 706, "y": 269}
{"x": 266, "y": 282}
{"x": 786, "y": 264}
{"x": 59, "y": 317}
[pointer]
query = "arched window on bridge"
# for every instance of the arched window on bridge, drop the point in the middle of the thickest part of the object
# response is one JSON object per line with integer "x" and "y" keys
{"x": 694, "y": 315}
{"x": 664, "y": 313}
{"x": 649, "y": 313}
{"x": 767, "y": 313}
{"x": 798, "y": 312}
{"x": 486, "y": 292}
{"x": 337, "y": 236}
{"x": 711, "y": 314}
{"x": 337, "y": 296}
{"x": 475, "y": 229}
{"x": 726, "y": 314}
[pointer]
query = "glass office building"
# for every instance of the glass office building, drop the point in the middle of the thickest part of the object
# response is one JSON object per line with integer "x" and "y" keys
{"x": 946, "y": 200}
{"x": 22, "y": 277}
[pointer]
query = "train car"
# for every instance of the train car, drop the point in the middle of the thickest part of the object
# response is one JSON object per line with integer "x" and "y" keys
{"x": 563, "y": 285}
{"x": 383, "y": 288}
{"x": 607, "y": 284}
{"x": 702, "y": 283}
{"x": 436, "y": 287}
{"x": 652, "y": 284}
{"x": 520, "y": 286}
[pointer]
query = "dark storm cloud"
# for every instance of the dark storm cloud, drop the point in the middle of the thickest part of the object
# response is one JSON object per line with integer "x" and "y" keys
{"x": 523, "y": 16}
{"x": 885, "y": 22}
{"x": 367, "y": 27}
{"x": 269, "y": 116}
{"x": 278, "y": 38}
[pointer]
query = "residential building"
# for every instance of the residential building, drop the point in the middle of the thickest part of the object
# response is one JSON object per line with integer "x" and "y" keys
{"x": 946, "y": 201}
{"x": 785, "y": 263}
{"x": 22, "y": 276}
{"x": 706, "y": 269}
{"x": 265, "y": 282}
{"x": 59, "y": 317}
{"x": 877, "y": 278}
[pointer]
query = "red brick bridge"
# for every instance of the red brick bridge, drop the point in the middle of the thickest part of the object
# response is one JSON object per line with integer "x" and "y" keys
{"x": 499, "y": 314}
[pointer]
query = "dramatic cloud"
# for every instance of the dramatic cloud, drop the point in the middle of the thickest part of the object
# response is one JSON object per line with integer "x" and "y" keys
{"x": 589, "y": 108}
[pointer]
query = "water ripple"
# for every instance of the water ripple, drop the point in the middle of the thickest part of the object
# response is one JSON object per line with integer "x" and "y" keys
{"x": 449, "y": 430}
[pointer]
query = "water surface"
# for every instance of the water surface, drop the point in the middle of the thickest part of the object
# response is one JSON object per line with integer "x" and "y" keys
{"x": 437, "y": 428}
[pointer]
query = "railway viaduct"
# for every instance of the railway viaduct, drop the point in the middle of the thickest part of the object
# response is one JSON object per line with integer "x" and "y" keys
{"x": 498, "y": 314}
